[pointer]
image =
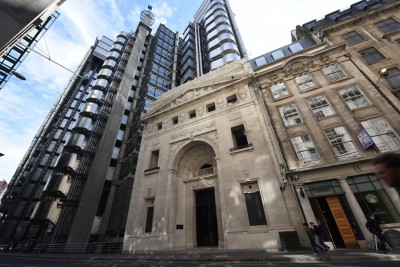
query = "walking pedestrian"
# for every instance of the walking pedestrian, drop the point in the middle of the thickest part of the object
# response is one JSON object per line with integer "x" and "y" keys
{"x": 319, "y": 231}
{"x": 311, "y": 235}
{"x": 374, "y": 228}
{"x": 387, "y": 169}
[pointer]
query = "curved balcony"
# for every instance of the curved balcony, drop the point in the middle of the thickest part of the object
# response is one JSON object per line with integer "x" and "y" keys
{"x": 96, "y": 96}
{"x": 220, "y": 12}
{"x": 83, "y": 125}
{"x": 113, "y": 55}
{"x": 218, "y": 42}
{"x": 225, "y": 48}
{"x": 100, "y": 84}
{"x": 109, "y": 63}
{"x": 219, "y": 21}
{"x": 116, "y": 47}
{"x": 219, "y": 30}
{"x": 90, "y": 109}
{"x": 105, "y": 73}
{"x": 56, "y": 186}
{"x": 74, "y": 143}
{"x": 224, "y": 60}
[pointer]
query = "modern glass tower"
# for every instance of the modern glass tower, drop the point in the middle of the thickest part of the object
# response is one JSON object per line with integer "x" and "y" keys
{"x": 75, "y": 182}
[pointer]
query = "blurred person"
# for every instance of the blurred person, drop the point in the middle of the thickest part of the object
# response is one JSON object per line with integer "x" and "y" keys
{"x": 374, "y": 228}
{"x": 319, "y": 231}
{"x": 387, "y": 169}
{"x": 311, "y": 235}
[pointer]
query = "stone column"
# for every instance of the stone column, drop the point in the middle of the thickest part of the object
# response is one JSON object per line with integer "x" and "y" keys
{"x": 355, "y": 207}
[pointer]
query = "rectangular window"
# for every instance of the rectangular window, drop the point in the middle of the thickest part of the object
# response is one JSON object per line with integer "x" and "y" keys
{"x": 175, "y": 120}
{"x": 290, "y": 115}
{"x": 239, "y": 137}
{"x": 371, "y": 55}
{"x": 254, "y": 205}
{"x": 333, "y": 72}
{"x": 277, "y": 54}
{"x": 341, "y": 143}
{"x": 192, "y": 114}
{"x": 353, "y": 38}
{"x": 393, "y": 78}
{"x": 149, "y": 215}
{"x": 154, "y": 158}
{"x": 382, "y": 134}
{"x": 305, "y": 150}
{"x": 320, "y": 106}
{"x": 388, "y": 25}
{"x": 210, "y": 107}
{"x": 296, "y": 47}
{"x": 260, "y": 61}
{"x": 231, "y": 100}
{"x": 354, "y": 98}
{"x": 279, "y": 90}
{"x": 305, "y": 82}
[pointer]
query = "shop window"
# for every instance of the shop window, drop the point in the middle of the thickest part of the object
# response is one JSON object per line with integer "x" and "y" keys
{"x": 341, "y": 143}
{"x": 354, "y": 98}
{"x": 305, "y": 150}
{"x": 149, "y": 215}
{"x": 372, "y": 197}
{"x": 382, "y": 134}
{"x": 290, "y": 115}
{"x": 320, "y": 107}
{"x": 254, "y": 205}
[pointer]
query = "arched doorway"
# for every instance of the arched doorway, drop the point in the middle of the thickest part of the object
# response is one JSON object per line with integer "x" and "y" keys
{"x": 198, "y": 189}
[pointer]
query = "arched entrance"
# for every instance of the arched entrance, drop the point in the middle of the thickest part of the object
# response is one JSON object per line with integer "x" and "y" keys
{"x": 198, "y": 189}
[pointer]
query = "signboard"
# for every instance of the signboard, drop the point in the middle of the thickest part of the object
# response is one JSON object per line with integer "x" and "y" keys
{"x": 364, "y": 139}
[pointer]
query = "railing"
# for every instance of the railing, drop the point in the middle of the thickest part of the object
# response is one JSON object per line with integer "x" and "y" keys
{"x": 204, "y": 171}
{"x": 30, "y": 246}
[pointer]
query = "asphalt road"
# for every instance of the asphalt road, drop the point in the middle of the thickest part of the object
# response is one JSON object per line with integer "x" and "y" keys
{"x": 11, "y": 261}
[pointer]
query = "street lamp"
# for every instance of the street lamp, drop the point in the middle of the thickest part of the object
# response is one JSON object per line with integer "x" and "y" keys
{"x": 382, "y": 73}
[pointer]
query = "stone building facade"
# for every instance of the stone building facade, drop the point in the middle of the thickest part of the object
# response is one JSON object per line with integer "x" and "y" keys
{"x": 210, "y": 174}
{"x": 333, "y": 110}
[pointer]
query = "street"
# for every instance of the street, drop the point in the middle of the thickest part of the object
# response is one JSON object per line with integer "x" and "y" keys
{"x": 12, "y": 261}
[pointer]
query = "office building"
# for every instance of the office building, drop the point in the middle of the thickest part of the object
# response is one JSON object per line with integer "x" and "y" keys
{"x": 333, "y": 110}
{"x": 81, "y": 191}
{"x": 22, "y": 24}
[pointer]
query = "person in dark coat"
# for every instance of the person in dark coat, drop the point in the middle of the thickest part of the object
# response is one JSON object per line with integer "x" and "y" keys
{"x": 312, "y": 235}
{"x": 319, "y": 231}
{"x": 387, "y": 169}
{"x": 374, "y": 228}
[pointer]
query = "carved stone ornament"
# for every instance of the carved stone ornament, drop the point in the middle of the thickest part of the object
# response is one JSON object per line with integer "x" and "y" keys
{"x": 297, "y": 68}
{"x": 242, "y": 94}
{"x": 192, "y": 131}
{"x": 326, "y": 59}
{"x": 201, "y": 183}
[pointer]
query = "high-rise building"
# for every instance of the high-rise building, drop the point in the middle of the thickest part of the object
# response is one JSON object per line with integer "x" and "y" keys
{"x": 22, "y": 25}
{"x": 75, "y": 182}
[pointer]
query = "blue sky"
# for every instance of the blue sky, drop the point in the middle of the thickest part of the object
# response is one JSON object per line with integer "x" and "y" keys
{"x": 24, "y": 105}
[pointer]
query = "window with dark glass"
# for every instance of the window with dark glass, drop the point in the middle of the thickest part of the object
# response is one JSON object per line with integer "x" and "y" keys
{"x": 393, "y": 78}
{"x": 210, "y": 107}
{"x": 149, "y": 216}
{"x": 371, "y": 55}
{"x": 353, "y": 38}
{"x": 175, "y": 120}
{"x": 372, "y": 197}
{"x": 388, "y": 25}
{"x": 254, "y": 205}
{"x": 192, "y": 114}
{"x": 239, "y": 136}
{"x": 231, "y": 99}
{"x": 154, "y": 158}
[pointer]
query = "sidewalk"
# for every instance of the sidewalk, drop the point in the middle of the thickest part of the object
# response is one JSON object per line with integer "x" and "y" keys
{"x": 338, "y": 255}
